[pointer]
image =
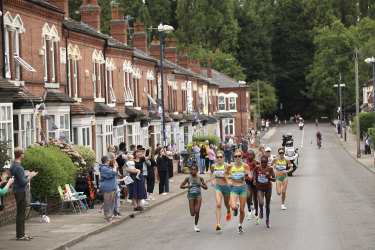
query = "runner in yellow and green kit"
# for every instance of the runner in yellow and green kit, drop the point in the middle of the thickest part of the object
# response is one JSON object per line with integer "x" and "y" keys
{"x": 221, "y": 188}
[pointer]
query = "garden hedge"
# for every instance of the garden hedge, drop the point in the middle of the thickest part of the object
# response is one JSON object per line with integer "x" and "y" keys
{"x": 366, "y": 122}
{"x": 54, "y": 168}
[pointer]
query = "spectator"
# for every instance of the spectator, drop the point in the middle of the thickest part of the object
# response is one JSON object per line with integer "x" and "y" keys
{"x": 19, "y": 190}
{"x": 158, "y": 146}
{"x": 367, "y": 142}
{"x": 228, "y": 153}
{"x": 137, "y": 189}
{"x": 196, "y": 154}
{"x": 207, "y": 160}
{"x": 162, "y": 162}
{"x": 121, "y": 158}
{"x": 111, "y": 152}
{"x": 203, "y": 153}
{"x": 244, "y": 154}
{"x": 169, "y": 153}
{"x": 4, "y": 190}
{"x": 211, "y": 155}
{"x": 108, "y": 186}
{"x": 151, "y": 169}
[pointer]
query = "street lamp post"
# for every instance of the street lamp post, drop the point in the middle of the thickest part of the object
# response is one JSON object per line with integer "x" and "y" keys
{"x": 166, "y": 29}
{"x": 239, "y": 86}
{"x": 372, "y": 60}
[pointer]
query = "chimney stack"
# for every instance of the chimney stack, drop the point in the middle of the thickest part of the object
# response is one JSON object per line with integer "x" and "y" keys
{"x": 209, "y": 70}
{"x": 155, "y": 49}
{"x": 171, "y": 50}
{"x": 90, "y": 13}
{"x": 140, "y": 37}
{"x": 61, "y": 4}
{"x": 183, "y": 59}
{"x": 118, "y": 25}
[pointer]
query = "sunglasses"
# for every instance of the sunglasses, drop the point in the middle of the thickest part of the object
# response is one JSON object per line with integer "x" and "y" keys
{"x": 237, "y": 156}
{"x": 281, "y": 153}
{"x": 220, "y": 157}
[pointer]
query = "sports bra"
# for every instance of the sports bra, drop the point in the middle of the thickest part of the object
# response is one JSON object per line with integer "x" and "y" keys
{"x": 238, "y": 174}
{"x": 280, "y": 165}
{"x": 219, "y": 171}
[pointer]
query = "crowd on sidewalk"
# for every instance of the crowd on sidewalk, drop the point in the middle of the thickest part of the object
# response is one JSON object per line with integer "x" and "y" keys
{"x": 131, "y": 174}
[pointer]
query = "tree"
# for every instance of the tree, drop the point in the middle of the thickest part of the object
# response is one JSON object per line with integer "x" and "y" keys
{"x": 209, "y": 23}
{"x": 347, "y": 11}
{"x": 367, "y": 8}
{"x": 267, "y": 97}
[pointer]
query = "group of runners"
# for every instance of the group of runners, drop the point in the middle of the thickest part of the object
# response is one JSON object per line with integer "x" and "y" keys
{"x": 249, "y": 182}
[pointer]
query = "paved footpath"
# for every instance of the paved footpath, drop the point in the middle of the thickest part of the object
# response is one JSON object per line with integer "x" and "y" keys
{"x": 69, "y": 229}
{"x": 350, "y": 146}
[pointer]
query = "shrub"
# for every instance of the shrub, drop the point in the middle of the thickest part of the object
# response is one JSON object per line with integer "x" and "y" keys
{"x": 88, "y": 155}
{"x": 371, "y": 133}
{"x": 53, "y": 166}
{"x": 366, "y": 121}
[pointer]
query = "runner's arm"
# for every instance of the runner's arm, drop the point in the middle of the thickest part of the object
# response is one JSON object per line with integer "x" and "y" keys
{"x": 247, "y": 171}
{"x": 212, "y": 176}
{"x": 227, "y": 169}
{"x": 290, "y": 166}
{"x": 183, "y": 184}
{"x": 271, "y": 177}
{"x": 203, "y": 184}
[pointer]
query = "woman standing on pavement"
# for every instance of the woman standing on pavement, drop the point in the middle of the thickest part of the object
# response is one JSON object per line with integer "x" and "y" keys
{"x": 108, "y": 186}
{"x": 162, "y": 163}
{"x": 237, "y": 185}
{"x": 194, "y": 184}
{"x": 252, "y": 192}
{"x": 221, "y": 188}
{"x": 137, "y": 189}
{"x": 211, "y": 155}
{"x": 282, "y": 175}
{"x": 197, "y": 154}
{"x": 203, "y": 153}
{"x": 263, "y": 175}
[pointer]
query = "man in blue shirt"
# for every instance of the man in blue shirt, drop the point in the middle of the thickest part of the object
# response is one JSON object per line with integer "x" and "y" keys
{"x": 19, "y": 190}
{"x": 367, "y": 142}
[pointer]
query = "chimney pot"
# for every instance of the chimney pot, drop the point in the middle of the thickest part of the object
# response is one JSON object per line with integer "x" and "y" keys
{"x": 185, "y": 52}
{"x": 140, "y": 37}
{"x": 94, "y": 2}
{"x": 114, "y": 13}
{"x": 135, "y": 26}
{"x": 90, "y": 13}
{"x": 141, "y": 27}
{"x": 197, "y": 61}
{"x": 121, "y": 13}
{"x": 173, "y": 42}
{"x": 61, "y": 4}
{"x": 180, "y": 53}
{"x": 167, "y": 40}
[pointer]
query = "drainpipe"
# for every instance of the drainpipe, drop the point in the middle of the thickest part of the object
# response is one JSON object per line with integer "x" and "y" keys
{"x": 67, "y": 61}
{"x": 2, "y": 36}
{"x": 105, "y": 71}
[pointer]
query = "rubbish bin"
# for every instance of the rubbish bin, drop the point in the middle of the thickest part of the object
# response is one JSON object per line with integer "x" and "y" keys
{"x": 185, "y": 155}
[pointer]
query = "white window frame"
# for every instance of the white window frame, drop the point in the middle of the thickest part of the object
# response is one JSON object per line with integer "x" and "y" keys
{"x": 105, "y": 135}
{"x": 231, "y": 103}
{"x": 110, "y": 67}
{"x": 56, "y": 114}
{"x": 221, "y": 103}
{"x": 81, "y": 134}
{"x": 118, "y": 134}
{"x": 98, "y": 61}
{"x": 6, "y": 125}
{"x": 26, "y": 134}
{"x": 229, "y": 126}
{"x": 144, "y": 131}
{"x": 133, "y": 133}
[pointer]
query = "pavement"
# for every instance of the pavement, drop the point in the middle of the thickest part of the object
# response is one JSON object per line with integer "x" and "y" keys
{"x": 350, "y": 146}
{"x": 68, "y": 229}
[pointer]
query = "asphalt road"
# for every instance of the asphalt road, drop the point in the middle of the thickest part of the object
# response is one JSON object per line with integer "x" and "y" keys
{"x": 330, "y": 205}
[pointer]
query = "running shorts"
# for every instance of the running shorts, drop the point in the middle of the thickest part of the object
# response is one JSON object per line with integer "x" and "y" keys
{"x": 281, "y": 178}
{"x": 239, "y": 190}
{"x": 194, "y": 196}
{"x": 251, "y": 183}
{"x": 223, "y": 189}
{"x": 268, "y": 190}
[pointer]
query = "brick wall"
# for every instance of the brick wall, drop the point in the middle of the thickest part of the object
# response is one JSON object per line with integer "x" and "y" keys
{"x": 8, "y": 215}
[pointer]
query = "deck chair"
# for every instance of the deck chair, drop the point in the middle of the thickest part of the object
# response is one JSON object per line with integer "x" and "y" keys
{"x": 42, "y": 207}
{"x": 79, "y": 196}
{"x": 68, "y": 199}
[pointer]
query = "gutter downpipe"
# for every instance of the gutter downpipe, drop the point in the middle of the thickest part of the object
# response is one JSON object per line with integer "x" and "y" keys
{"x": 105, "y": 71}
{"x": 2, "y": 35}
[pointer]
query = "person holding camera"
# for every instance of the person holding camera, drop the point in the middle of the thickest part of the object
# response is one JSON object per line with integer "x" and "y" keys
{"x": 5, "y": 178}
{"x": 19, "y": 190}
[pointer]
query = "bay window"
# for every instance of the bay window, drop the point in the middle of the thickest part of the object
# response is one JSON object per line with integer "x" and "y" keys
{"x": 6, "y": 120}
{"x": 24, "y": 128}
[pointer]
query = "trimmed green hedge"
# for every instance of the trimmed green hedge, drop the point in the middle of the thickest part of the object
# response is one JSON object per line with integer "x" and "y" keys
{"x": 54, "y": 168}
{"x": 366, "y": 122}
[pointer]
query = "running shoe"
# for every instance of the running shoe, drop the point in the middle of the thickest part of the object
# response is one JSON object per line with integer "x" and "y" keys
{"x": 283, "y": 207}
{"x": 268, "y": 225}
{"x": 240, "y": 230}
{"x": 261, "y": 214}
{"x": 235, "y": 212}
{"x": 218, "y": 227}
{"x": 229, "y": 215}
{"x": 196, "y": 229}
{"x": 249, "y": 215}
{"x": 256, "y": 220}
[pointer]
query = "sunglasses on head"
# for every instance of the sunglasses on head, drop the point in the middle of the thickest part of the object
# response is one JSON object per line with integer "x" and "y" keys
{"x": 237, "y": 156}
{"x": 220, "y": 157}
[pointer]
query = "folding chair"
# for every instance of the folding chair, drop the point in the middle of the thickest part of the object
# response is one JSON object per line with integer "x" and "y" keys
{"x": 79, "y": 196}
{"x": 67, "y": 199}
{"x": 42, "y": 207}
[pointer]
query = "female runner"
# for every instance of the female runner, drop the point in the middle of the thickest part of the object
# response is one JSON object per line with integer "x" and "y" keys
{"x": 252, "y": 196}
{"x": 221, "y": 188}
{"x": 237, "y": 185}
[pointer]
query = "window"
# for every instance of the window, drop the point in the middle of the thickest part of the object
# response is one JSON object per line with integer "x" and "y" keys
{"x": 136, "y": 77}
{"x": 50, "y": 38}
{"x": 61, "y": 120}
{"x": 127, "y": 69}
{"x": 232, "y": 103}
{"x": 133, "y": 133}
{"x": 144, "y": 137}
{"x": 6, "y": 117}
{"x": 82, "y": 136}
{"x": 108, "y": 135}
{"x": 110, "y": 67}
{"x": 229, "y": 126}
{"x": 98, "y": 61}
{"x": 221, "y": 103}
{"x": 24, "y": 129}
{"x": 104, "y": 137}
{"x": 74, "y": 55}
{"x": 118, "y": 135}
{"x": 12, "y": 48}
